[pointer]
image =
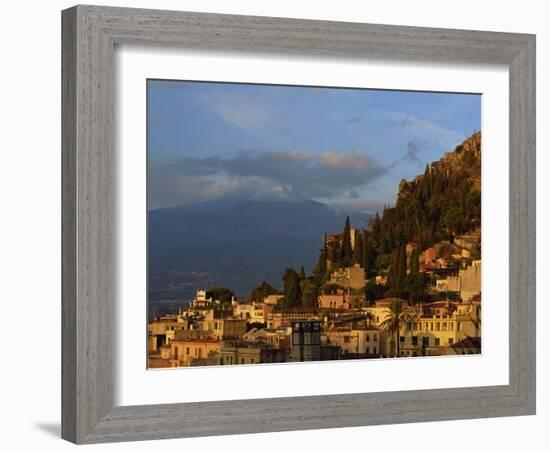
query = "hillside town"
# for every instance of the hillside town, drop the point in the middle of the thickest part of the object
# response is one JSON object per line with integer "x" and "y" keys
{"x": 406, "y": 285}
{"x": 343, "y": 324}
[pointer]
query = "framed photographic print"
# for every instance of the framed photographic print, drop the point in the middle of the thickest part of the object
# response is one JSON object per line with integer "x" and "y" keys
{"x": 301, "y": 209}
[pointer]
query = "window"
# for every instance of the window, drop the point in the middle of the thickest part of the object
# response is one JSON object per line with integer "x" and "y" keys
{"x": 444, "y": 326}
{"x": 437, "y": 326}
{"x": 368, "y": 351}
{"x": 415, "y": 340}
{"x": 375, "y": 337}
{"x": 437, "y": 342}
{"x": 431, "y": 326}
{"x": 242, "y": 360}
{"x": 401, "y": 339}
{"x": 451, "y": 341}
{"x": 346, "y": 339}
{"x": 186, "y": 350}
{"x": 368, "y": 338}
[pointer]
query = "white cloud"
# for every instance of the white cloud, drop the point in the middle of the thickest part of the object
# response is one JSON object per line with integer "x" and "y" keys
{"x": 242, "y": 111}
{"x": 422, "y": 129}
{"x": 245, "y": 116}
{"x": 280, "y": 174}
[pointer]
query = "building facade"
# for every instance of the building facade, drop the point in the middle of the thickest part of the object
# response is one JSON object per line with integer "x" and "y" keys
{"x": 306, "y": 340}
{"x": 183, "y": 352}
{"x": 354, "y": 341}
{"x": 349, "y": 277}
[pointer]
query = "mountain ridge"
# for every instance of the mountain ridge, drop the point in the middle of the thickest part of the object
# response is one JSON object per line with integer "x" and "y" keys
{"x": 235, "y": 243}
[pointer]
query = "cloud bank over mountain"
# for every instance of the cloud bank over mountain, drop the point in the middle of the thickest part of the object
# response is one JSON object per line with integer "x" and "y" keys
{"x": 291, "y": 175}
{"x": 341, "y": 147}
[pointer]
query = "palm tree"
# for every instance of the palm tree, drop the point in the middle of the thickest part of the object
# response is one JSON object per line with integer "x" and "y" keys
{"x": 397, "y": 317}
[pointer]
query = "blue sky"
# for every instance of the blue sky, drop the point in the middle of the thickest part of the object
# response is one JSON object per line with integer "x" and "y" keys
{"x": 348, "y": 148}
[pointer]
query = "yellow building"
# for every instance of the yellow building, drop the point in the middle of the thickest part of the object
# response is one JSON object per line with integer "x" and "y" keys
{"x": 225, "y": 328}
{"x": 334, "y": 301}
{"x": 276, "y": 338}
{"x": 165, "y": 352}
{"x": 435, "y": 334}
{"x": 273, "y": 299}
{"x": 360, "y": 341}
{"x": 163, "y": 330}
{"x": 183, "y": 352}
{"x": 240, "y": 352}
{"x": 349, "y": 277}
{"x": 251, "y": 311}
{"x": 467, "y": 283}
{"x": 432, "y": 327}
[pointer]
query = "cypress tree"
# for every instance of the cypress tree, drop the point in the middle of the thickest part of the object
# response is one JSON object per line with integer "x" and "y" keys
{"x": 384, "y": 244}
{"x": 369, "y": 256}
{"x": 292, "y": 292}
{"x": 399, "y": 268}
{"x": 425, "y": 184}
{"x": 358, "y": 249}
{"x": 366, "y": 263}
{"x": 320, "y": 269}
{"x": 393, "y": 268}
{"x": 346, "y": 251}
{"x": 374, "y": 227}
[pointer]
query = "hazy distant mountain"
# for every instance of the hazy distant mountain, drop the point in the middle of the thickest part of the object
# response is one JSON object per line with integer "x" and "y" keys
{"x": 235, "y": 243}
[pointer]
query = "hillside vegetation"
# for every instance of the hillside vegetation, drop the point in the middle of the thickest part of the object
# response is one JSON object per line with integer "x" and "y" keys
{"x": 443, "y": 202}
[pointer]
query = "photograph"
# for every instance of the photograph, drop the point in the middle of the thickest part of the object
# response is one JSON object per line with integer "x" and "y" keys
{"x": 261, "y": 224}
{"x": 307, "y": 223}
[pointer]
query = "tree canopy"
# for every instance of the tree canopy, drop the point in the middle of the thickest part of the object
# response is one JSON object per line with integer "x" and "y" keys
{"x": 220, "y": 293}
{"x": 261, "y": 291}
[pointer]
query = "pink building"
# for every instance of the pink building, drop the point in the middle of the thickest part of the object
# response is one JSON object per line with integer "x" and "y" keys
{"x": 334, "y": 301}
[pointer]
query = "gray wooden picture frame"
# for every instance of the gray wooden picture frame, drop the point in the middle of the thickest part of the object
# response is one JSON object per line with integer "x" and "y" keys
{"x": 90, "y": 34}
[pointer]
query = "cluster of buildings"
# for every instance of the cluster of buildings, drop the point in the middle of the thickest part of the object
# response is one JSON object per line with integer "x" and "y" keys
{"x": 466, "y": 282}
{"x": 432, "y": 260}
{"x": 342, "y": 326}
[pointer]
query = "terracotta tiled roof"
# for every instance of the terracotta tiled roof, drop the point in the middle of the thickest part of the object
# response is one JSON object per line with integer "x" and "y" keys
{"x": 469, "y": 342}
